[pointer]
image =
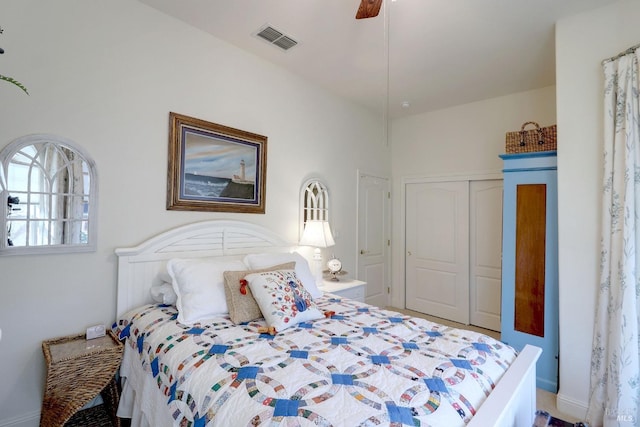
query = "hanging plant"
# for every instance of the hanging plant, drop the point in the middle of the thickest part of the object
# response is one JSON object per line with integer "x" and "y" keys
{"x": 11, "y": 79}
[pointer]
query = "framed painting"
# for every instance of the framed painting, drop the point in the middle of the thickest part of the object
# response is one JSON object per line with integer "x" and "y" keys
{"x": 214, "y": 167}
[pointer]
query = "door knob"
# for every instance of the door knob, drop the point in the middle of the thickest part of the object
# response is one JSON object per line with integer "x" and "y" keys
{"x": 362, "y": 252}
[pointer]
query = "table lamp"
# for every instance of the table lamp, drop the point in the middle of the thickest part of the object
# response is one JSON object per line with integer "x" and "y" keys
{"x": 317, "y": 234}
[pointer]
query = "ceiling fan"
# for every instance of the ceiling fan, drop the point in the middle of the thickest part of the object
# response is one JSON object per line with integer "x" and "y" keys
{"x": 368, "y": 9}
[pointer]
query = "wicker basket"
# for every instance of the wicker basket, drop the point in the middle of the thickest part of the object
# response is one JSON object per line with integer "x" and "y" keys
{"x": 77, "y": 371}
{"x": 528, "y": 141}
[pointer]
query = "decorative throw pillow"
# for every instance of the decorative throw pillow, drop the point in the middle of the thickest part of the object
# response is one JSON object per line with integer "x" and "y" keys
{"x": 282, "y": 298}
{"x": 199, "y": 286}
{"x": 243, "y": 307}
{"x": 259, "y": 261}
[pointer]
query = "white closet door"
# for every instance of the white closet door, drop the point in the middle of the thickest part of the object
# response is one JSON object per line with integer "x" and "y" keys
{"x": 485, "y": 236}
{"x": 437, "y": 249}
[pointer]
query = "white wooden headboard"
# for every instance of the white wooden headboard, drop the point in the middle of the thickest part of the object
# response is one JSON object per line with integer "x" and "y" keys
{"x": 140, "y": 267}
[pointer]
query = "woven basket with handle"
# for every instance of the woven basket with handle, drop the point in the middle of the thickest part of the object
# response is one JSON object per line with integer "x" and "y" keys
{"x": 530, "y": 140}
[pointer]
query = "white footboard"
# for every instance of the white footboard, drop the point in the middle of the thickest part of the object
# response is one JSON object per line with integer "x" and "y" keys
{"x": 513, "y": 401}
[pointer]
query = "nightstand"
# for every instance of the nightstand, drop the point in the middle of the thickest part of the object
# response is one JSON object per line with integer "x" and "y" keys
{"x": 347, "y": 288}
{"x": 77, "y": 371}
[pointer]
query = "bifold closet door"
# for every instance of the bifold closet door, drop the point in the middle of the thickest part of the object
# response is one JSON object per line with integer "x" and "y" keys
{"x": 437, "y": 249}
{"x": 453, "y": 242}
{"x": 485, "y": 250}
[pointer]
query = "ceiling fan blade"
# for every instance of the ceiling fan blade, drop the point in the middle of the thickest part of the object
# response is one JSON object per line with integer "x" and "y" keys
{"x": 368, "y": 9}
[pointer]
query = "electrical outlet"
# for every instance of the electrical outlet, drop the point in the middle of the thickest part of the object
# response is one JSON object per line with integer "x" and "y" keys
{"x": 96, "y": 331}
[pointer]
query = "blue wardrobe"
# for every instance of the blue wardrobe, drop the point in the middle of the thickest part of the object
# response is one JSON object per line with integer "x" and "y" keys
{"x": 529, "y": 311}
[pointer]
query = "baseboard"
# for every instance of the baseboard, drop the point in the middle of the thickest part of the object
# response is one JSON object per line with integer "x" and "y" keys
{"x": 546, "y": 384}
{"x": 31, "y": 419}
{"x": 572, "y": 407}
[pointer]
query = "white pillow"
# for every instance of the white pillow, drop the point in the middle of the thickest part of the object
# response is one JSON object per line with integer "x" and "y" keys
{"x": 164, "y": 276}
{"x": 282, "y": 298}
{"x": 264, "y": 260}
{"x": 199, "y": 286}
{"x": 163, "y": 293}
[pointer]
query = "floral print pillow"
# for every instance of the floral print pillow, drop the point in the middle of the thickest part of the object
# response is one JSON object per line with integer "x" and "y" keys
{"x": 282, "y": 298}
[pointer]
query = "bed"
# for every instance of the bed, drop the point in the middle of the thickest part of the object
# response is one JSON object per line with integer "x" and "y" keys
{"x": 343, "y": 363}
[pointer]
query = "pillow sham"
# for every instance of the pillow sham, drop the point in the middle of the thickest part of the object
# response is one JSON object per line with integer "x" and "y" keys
{"x": 282, "y": 298}
{"x": 260, "y": 261}
{"x": 244, "y": 308}
{"x": 199, "y": 286}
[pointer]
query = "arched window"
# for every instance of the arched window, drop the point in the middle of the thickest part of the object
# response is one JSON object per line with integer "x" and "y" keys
{"x": 49, "y": 197}
{"x": 314, "y": 202}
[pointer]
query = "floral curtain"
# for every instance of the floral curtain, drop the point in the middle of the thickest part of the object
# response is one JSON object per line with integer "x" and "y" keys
{"x": 615, "y": 357}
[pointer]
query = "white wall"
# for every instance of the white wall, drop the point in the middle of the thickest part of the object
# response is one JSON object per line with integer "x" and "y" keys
{"x": 582, "y": 42}
{"x": 106, "y": 75}
{"x": 460, "y": 141}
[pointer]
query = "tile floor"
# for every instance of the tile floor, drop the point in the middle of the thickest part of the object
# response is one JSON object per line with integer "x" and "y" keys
{"x": 546, "y": 401}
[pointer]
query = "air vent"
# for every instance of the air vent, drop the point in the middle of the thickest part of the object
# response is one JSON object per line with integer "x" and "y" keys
{"x": 276, "y": 37}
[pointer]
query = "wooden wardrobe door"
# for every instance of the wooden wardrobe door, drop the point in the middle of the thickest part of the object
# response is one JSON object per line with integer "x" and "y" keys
{"x": 531, "y": 212}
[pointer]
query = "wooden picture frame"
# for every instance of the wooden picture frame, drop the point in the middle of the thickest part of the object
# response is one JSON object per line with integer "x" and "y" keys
{"x": 215, "y": 168}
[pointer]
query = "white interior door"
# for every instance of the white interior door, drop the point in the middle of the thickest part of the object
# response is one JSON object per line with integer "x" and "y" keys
{"x": 485, "y": 236}
{"x": 373, "y": 238}
{"x": 437, "y": 249}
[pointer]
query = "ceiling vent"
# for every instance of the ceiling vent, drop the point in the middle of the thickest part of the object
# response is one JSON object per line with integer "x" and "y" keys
{"x": 276, "y": 37}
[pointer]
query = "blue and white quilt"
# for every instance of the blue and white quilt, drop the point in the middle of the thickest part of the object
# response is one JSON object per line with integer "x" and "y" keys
{"x": 363, "y": 366}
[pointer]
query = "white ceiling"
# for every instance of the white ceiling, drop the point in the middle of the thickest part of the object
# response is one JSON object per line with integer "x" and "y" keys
{"x": 440, "y": 53}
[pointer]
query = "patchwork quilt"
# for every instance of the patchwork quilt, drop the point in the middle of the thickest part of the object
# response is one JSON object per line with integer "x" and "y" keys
{"x": 363, "y": 366}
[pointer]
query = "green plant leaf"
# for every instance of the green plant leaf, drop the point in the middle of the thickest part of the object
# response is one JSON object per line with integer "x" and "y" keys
{"x": 15, "y": 82}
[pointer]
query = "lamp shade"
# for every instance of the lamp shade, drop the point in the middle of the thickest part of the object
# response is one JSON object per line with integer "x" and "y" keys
{"x": 317, "y": 234}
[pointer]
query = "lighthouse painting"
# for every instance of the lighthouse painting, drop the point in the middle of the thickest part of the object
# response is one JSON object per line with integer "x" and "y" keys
{"x": 215, "y": 168}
